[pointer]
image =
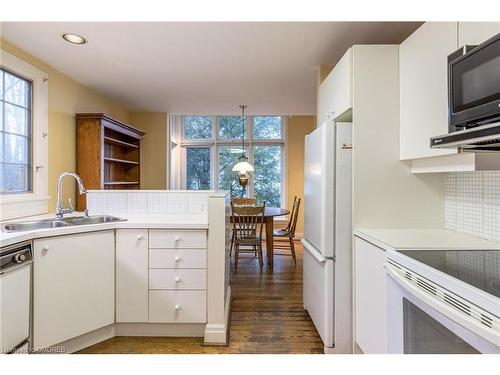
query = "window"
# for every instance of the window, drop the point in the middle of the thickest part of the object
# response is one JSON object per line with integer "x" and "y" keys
{"x": 211, "y": 145}
{"x": 15, "y": 133}
{"x": 197, "y": 127}
{"x": 198, "y": 168}
{"x": 23, "y": 138}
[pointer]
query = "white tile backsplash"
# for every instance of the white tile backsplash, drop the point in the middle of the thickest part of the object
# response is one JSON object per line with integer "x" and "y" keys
{"x": 147, "y": 202}
{"x": 472, "y": 203}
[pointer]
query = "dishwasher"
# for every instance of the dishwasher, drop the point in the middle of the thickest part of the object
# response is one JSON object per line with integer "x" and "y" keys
{"x": 15, "y": 297}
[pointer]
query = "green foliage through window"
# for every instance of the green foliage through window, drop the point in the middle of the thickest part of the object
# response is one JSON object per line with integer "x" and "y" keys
{"x": 267, "y": 127}
{"x": 232, "y": 127}
{"x": 198, "y": 168}
{"x": 198, "y": 127}
{"x": 267, "y": 175}
{"x": 225, "y": 139}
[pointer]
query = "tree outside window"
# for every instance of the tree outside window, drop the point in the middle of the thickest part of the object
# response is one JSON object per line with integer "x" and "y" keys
{"x": 213, "y": 145}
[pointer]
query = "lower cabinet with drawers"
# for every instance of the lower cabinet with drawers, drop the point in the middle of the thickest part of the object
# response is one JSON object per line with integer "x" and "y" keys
{"x": 161, "y": 276}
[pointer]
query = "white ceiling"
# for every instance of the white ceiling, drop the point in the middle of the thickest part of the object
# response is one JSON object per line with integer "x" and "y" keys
{"x": 201, "y": 68}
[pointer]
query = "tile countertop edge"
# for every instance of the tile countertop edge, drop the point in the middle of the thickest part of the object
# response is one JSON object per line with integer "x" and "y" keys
{"x": 11, "y": 238}
{"x": 424, "y": 239}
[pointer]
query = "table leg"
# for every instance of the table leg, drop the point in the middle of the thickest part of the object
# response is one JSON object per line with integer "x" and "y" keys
{"x": 269, "y": 241}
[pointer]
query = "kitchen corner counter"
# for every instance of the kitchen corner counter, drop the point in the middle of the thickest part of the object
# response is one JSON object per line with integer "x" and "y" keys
{"x": 424, "y": 239}
{"x": 158, "y": 221}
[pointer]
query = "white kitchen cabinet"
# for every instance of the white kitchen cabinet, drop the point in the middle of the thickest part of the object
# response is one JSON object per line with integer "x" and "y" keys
{"x": 177, "y": 306}
{"x": 370, "y": 298}
{"x": 160, "y": 278}
{"x": 173, "y": 239}
{"x": 335, "y": 93}
{"x": 473, "y": 33}
{"x": 74, "y": 286}
{"x": 177, "y": 258}
{"x": 423, "y": 88}
{"x": 132, "y": 275}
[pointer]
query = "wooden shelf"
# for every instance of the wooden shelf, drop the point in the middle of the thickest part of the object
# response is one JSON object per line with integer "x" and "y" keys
{"x": 121, "y": 183}
{"x": 108, "y": 154}
{"x": 117, "y": 142}
{"x": 114, "y": 160}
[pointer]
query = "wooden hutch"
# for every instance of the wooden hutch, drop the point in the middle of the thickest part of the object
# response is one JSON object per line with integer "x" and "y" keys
{"x": 108, "y": 154}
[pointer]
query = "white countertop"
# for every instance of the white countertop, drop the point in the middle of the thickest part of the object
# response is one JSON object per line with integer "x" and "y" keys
{"x": 165, "y": 221}
{"x": 424, "y": 239}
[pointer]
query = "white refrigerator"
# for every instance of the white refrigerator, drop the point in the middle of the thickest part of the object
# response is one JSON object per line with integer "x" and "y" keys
{"x": 328, "y": 234}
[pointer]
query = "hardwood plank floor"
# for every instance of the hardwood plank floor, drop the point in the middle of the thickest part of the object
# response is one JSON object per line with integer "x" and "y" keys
{"x": 267, "y": 317}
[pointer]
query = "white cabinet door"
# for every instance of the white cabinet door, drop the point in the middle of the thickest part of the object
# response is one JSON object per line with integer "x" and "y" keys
{"x": 132, "y": 275}
{"x": 335, "y": 96}
{"x": 74, "y": 286}
{"x": 423, "y": 96}
{"x": 473, "y": 33}
{"x": 371, "y": 298}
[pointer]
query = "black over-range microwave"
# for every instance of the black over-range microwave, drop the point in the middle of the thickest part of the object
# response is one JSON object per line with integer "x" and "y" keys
{"x": 473, "y": 98}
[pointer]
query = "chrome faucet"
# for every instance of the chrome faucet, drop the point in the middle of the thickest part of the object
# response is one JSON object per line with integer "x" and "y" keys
{"x": 60, "y": 210}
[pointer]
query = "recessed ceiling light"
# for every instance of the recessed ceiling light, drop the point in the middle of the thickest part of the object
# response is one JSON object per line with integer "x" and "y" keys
{"x": 75, "y": 39}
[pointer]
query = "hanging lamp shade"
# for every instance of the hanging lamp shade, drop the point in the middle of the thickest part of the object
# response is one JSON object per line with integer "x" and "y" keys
{"x": 243, "y": 166}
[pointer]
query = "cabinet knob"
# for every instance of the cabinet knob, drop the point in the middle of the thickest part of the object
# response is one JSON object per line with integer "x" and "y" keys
{"x": 177, "y": 307}
{"x": 140, "y": 237}
{"x": 177, "y": 239}
{"x": 177, "y": 259}
{"x": 177, "y": 279}
{"x": 45, "y": 248}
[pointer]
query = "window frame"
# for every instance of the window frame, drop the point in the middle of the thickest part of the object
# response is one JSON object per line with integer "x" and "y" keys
{"x": 250, "y": 142}
{"x": 29, "y": 135}
{"x": 34, "y": 202}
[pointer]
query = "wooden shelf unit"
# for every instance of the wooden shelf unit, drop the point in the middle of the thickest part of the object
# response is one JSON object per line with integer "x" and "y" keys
{"x": 108, "y": 153}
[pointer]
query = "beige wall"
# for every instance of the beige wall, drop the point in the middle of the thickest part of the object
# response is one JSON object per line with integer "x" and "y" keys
{"x": 154, "y": 148}
{"x": 66, "y": 97}
{"x": 298, "y": 128}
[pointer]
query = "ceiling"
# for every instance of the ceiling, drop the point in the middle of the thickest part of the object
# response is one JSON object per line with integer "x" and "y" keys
{"x": 201, "y": 68}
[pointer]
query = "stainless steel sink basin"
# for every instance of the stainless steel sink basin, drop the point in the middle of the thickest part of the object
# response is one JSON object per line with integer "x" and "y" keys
{"x": 98, "y": 219}
{"x": 58, "y": 223}
{"x": 34, "y": 225}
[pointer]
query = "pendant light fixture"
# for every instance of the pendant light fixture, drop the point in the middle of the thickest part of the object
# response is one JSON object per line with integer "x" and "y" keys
{"x": 243, "y": 166}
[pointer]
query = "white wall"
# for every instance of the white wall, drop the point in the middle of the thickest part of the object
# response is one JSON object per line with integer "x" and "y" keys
{"x": 386, "y": 194}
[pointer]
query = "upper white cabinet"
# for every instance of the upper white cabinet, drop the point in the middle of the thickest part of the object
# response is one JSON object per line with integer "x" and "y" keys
{"x": 473, "y": 33}
{"x": 335, "y": 93}
{"x": 423, "y": 95}
{"x": 423, "y": 90}
{"x": 74, "y": 286}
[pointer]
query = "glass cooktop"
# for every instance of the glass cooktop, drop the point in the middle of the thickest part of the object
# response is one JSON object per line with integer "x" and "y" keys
{"x": 479, "y": 268}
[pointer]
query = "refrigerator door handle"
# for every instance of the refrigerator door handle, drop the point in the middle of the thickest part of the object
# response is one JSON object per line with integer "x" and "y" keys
{"x": 313, "y": 251}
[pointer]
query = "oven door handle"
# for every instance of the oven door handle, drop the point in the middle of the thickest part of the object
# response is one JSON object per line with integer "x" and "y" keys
{"x": 490, "y": 334}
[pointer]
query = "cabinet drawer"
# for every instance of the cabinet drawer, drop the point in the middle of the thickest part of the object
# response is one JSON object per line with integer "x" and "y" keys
{"x": 177, "y": 306}
{"x": 173, "y": 239}
{"x": 177, "y": 279}
{"x": 177, "y": 258}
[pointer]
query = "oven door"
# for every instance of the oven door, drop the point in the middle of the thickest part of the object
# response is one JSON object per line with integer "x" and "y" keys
{"x": 417, "y": 328}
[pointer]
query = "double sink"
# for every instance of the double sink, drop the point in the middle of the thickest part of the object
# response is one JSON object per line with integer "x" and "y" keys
{"x": 59, "y": 223}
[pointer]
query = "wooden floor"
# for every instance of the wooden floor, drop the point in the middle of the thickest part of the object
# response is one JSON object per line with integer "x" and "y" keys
{"x": 267, "y": 317}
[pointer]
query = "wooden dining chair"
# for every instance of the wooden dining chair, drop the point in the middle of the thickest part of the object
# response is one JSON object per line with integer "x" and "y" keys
{"x": 247, "y": 229}
{"x": 244, "y": 201}
{"x": 240, "y": 202}
{"x": 283, "y": 238}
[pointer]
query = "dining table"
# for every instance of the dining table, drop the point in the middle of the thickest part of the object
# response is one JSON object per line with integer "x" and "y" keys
{"x": 269, "y": 214}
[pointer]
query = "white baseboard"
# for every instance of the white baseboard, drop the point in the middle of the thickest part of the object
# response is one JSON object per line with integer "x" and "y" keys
{"x": 218, "y": 334}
